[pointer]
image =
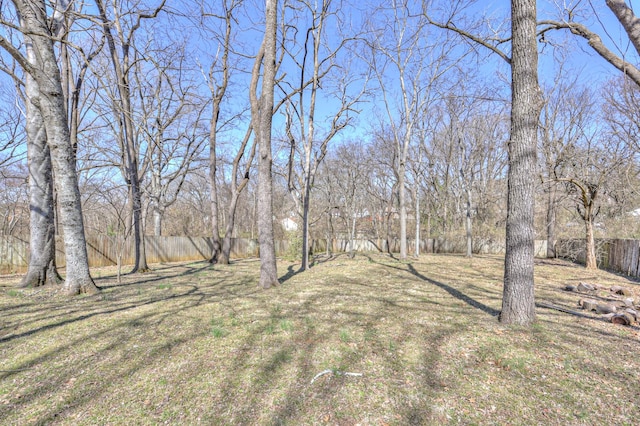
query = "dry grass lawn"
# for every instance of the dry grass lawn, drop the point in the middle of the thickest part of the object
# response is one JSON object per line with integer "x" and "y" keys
{"x": 193, "y": 344}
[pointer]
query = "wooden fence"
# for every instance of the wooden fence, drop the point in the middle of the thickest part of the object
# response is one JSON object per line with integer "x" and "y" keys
{"x": 617, "y": 255}
{"x": 105, "y": 250}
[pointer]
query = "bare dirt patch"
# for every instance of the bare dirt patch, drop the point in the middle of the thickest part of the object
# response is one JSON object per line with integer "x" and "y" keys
{"x": 192, "y": 343}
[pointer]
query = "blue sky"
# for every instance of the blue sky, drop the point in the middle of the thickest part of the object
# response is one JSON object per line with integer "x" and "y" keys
{"x": 593, "y": 68}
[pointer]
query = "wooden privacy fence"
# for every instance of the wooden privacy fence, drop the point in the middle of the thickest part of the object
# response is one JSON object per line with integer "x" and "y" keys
{"x": 618, "y": 255}
{"x": 105, "y": 250}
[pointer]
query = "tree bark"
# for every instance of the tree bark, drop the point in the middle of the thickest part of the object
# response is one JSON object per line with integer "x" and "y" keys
{"x": 306, "y": 200}
{"x": 42, "y": 248}
{"x": 213, "y": 188}
{"x": 402, "y": 200}
{"x": 417, "y": 198}
{"x": 551, "y": 221}
{"x": 262, "y": 110}
{"x": 51, "y": 104}
{"x": 468, "y": 223}
{"x": 518, "y": 305}
{"x": 590, "y": 246}
{"x": 630, "y": 22}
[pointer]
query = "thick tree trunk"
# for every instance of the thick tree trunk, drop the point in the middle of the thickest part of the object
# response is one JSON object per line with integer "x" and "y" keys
{"x": 263, "y": 110}
{"x": 42, "y": 249}
{"x": 51, "y": 100}
{"x": 518, "y": 295}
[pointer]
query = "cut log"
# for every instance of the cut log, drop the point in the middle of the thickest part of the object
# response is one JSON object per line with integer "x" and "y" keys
{"x": 622, "y": 319}
{"x": 586, "y": 287}
{"x": 629, "y": 302}
{"x": 633, "y": 313}
{"x": 626, "y": 291}
{"x": 588, "y": 304}
{"x": 605, "y": 308}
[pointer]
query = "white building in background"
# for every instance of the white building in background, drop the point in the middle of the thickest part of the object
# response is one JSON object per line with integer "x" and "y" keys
{"x": 288, "y": 224}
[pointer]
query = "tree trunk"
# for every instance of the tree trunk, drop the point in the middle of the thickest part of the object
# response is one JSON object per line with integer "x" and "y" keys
{"x": 225, "y": 253}
{"x": 213, "y": 187}
{"x": 403, "y": 211}
{"x": 157, "y": 221}
{"x": 305, "y": 224}
{"x": 590, "y": 245}
{"x": 128, "y": 145}
{"x": 263, "y": 111}
{"x": 51, "y": 100}
{"x": 552, "y": 206}
{"x": 352, "y": 236}
{"x": 417, "y": 247}
{"x": 468, "y": 224}
{"x": 518, "y": 294}
{"x": 140, "y": 264}
{"x": 42, "y": 248}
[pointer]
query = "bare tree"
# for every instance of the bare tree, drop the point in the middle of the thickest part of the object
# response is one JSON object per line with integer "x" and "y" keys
{"x": 418, "y": 61}
{"x": 316, "y": 68}
{"x": 518, "y": 294}
{"x": 261, "y": 116}
{"x": 567, "y": 112}
{"x": 518, "y": 298}
{"x": 219, "y": 79}
{"x": 347, "y": 175}
{"x": 38, "y": 27}
{"x": 218, "y": 82}
{"x": 120, "y": 33}
{"x": 171, "y": 124}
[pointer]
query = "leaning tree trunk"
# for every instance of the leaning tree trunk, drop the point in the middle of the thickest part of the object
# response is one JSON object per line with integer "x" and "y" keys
{"x": 225, "y": 253}
{"x": 51, "y": 99}
{"x": 42, "y": 248}
{"x": 518, "y": 295}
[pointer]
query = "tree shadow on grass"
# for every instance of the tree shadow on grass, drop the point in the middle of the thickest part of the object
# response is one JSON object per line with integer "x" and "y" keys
{"x": 452, "y": 291}
{"x": 455, "y": 293}
{"x": 291, "y": 272}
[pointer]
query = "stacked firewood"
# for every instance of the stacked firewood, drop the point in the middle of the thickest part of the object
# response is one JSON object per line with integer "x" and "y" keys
{"x": 617, "y": 304}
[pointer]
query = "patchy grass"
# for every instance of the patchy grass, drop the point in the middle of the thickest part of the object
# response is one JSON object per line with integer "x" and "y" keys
{"x": 193, "y": 343}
